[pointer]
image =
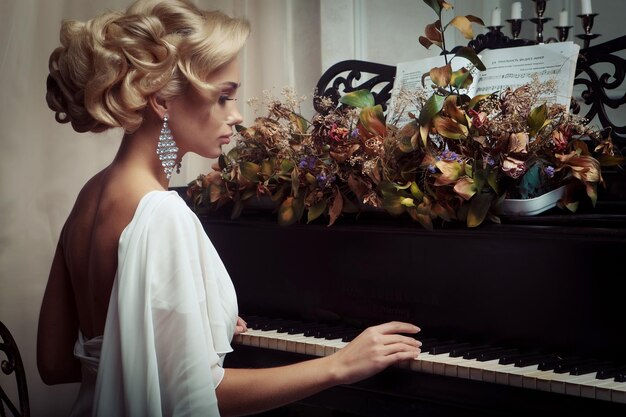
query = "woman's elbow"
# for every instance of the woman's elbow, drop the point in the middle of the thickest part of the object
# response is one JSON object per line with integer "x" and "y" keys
{"x": 53, "y": 372}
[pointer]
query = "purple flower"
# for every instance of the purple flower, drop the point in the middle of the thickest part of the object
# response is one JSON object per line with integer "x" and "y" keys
{"x": 490, "y": 161}
{"x": 324, "y": 180}
{"x": 549, "y": 170}
{"x": 355, "y": 132}
{"x": 432, "y": 168}
{"x": 308, "y": 162}
{"x": 449, "y": 155}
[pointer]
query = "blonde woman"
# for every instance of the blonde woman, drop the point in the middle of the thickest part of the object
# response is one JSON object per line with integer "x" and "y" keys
{"x": 138, "y": 305}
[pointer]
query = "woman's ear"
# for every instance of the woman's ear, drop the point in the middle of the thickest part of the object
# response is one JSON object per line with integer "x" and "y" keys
{"x": 158, "y": 105}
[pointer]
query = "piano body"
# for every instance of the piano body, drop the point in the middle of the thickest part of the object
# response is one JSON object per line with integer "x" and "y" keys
{"x": 522, "y": 317}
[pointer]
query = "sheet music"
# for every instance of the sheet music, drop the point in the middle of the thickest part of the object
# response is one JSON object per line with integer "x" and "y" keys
{"x": 514, "y": 67}
{"x": 506, "y": 67}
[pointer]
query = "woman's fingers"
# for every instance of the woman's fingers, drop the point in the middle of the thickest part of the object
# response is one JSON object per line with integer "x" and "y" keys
{"x": 397, "y": 327}
{"x": 241, "y": 326}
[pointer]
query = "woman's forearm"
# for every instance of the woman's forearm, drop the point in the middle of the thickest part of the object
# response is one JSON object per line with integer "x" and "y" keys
{"x": 247, "y": 391}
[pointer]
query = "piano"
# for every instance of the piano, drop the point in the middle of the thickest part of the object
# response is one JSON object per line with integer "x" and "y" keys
{"x": 544, "y": 292}
{"x": 526, "y": 317}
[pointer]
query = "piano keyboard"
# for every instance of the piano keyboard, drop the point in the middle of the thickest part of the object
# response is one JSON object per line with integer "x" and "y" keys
{"x": 531, "y": 377}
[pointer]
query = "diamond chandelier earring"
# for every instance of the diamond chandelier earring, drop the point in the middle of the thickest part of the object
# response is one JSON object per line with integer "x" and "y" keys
{"x": 167, "y": 149}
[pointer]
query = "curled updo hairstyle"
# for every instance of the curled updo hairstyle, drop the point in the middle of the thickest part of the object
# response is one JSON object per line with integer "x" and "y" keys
{"x": 106, "y": 68}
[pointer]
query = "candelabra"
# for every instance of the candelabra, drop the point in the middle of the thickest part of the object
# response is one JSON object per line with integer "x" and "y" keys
{"x": 562, "y": 29}
{"x": 587, "y": 20}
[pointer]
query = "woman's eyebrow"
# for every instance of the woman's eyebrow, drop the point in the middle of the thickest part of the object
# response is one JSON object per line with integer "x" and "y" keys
{"x": 230, "y": 84}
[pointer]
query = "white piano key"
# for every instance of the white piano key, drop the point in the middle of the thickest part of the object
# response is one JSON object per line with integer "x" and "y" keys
{"x": 518, "y": 376}
{"x": 606, "y": 392}
{"x": 484, "y": 371}
{"x": 618, "y": 394}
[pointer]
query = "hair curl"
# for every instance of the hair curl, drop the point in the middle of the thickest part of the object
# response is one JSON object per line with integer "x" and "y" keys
{"x": 106, "y": 68}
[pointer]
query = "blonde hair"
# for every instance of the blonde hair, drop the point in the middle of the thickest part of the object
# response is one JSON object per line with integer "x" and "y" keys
{"x": 106, "y": 68}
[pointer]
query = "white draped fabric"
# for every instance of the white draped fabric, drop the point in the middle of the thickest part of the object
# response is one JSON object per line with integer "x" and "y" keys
{"x": 171, "y": 317}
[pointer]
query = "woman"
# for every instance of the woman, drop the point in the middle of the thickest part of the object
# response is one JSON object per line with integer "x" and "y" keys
{"x": 135, "y": 285}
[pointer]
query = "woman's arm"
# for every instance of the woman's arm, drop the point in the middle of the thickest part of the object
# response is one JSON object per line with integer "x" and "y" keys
{"x": 246, "y": 391}
{"x": 58, "y": 327}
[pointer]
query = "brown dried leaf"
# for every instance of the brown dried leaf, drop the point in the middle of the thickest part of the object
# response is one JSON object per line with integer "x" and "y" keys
{"x": 335, "y": 207}
{"x": 440, "y": 75}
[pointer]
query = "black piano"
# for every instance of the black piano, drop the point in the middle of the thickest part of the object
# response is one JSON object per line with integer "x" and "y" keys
{"x": 526, "y": 317}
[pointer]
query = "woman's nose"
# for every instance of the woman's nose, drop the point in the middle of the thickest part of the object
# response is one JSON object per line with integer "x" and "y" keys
{"x": 234, "y": 118}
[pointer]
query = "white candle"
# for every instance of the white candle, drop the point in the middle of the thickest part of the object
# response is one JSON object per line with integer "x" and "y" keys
{"x": 585, "y": 5}
{"x": 516, "y": 10}
{"x": 495, "y": 17}
{"x": 563, "y": 18}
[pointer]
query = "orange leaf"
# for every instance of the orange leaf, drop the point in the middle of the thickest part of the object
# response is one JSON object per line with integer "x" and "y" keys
{"x": 335, "y": 207}
{"x": 440, "y": 75}
{"x": 464, "y": 25}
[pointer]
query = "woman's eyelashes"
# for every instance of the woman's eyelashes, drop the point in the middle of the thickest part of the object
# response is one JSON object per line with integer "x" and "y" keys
{"x": 224, "y": 98}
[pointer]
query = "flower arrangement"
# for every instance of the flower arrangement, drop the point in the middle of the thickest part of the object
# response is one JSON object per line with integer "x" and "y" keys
{"x": 456, "y": 160}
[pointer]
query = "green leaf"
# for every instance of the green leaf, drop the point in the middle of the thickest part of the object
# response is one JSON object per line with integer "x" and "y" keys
{"x": 534, "y": 182}
{"x": 437, "y": 5}
{"x": 478, "y": 209}
{"x": 316, "y": 211}
{"x": 299, "y": 122}
{"x": 469, "y": 54}
{"x": 537, "y": 119}
{"x": 360, "y": 98}
{"x": 286, "y": 165}
{"x": 416, "y": 192}
{"x": 250, "y": 171}
{"x": 290, "y": 211}
{"x": 477, "y": 99}
{"x": 431, "y": 108}
{"x": 461, "y": 78}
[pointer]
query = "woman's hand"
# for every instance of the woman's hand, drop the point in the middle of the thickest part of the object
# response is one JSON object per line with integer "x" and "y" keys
{"x": 375, "y": 349}
{"x": 241, "y": 326}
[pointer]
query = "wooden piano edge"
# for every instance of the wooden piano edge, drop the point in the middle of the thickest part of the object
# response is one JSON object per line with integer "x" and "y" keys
{"x": 402, "y": 392}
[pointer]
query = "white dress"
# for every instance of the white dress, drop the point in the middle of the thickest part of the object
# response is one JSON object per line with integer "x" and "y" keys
{"x": 171, "y": 318}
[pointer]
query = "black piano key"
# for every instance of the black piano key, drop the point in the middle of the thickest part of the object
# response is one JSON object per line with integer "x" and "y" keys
{"x": 515, "y": 356}
{"x": 460, "y": 351}
{"x": 350, "y": 337}
{"x": 300, "y": 328}
{"x": 566, "y": 365}
{"x": 535, "y": 359}
{"x": 312, "y": 331}
{"x": 608, "y": 373}
{"x": 428, "y": 343}
{"x": 549, "y": 363}
{"x": 582, "y": 369}
{"x": 276, "y": 324}
{"x": 494, "y": 354}
{"x": 257, "y": 322}
{"x": 447, "y": 347}
{"x": 335, "y": 333}
{"x": 474, "y": 353}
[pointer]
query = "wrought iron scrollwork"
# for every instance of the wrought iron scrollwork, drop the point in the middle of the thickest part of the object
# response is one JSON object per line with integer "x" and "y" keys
{"x": 334, "y": 82}
{"x": 496, "y": 40}
{"x": 591, "y": 73}
{"x": 13, "y": 364}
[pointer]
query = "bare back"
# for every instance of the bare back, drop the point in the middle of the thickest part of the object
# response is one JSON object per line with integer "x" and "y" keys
{"x": 90, "y": 239}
